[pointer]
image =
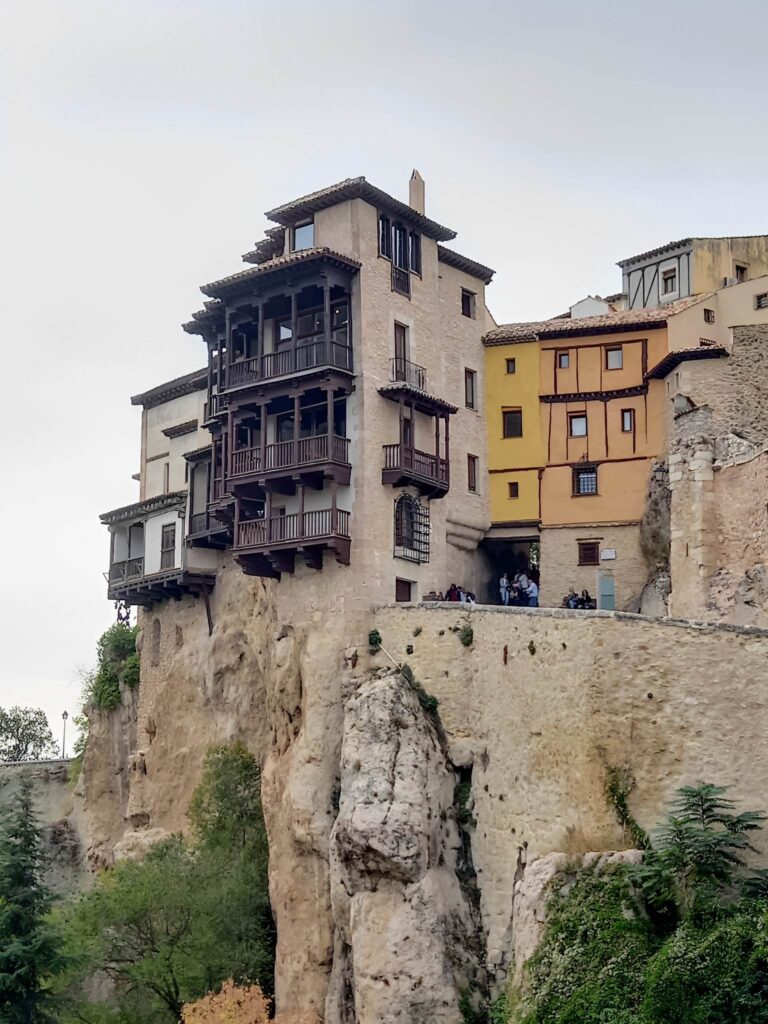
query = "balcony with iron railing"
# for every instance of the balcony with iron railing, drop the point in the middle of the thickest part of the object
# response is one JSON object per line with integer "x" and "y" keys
{"x": 405, "y": 465}
{"x": 403, "y": 370}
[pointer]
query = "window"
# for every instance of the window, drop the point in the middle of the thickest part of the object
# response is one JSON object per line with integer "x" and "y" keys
{"x": 709, "y": 316}
{"x": 627, "y": 420}
{"x": 584, "y": 480}
{"x": 166, "y": 477}
{"x": 403, "y": 590}
{"x": 577, "y": 424}
{"x": 411, "y": 529}
{"x": 512, "y": 420}
{"x": 511, "y": 368}
{"x": 514, "y": 489}
{"x": 614, "y": 359}
{"x": 589, "y": 552}
{"x": 470, "y": 389}
{"x": 472, "y": 473}
{"x": 741, "y": 273}
{"x": 401, "y": 348}
{"x": 468, "y": 303}
{"x": 401, "y": 279}
{"x": 416, "y": 253}
{"x": 168, "y": 546}
{"x": 563, "y": 360}
{"x": 304, "y": 236}
{"x": 385, "y": 236}
{"x": 761, "y": 301}
{"x": 668, "y": 281}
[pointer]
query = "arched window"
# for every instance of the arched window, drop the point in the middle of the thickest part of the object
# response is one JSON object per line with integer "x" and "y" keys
{"x": 411, "y": 529}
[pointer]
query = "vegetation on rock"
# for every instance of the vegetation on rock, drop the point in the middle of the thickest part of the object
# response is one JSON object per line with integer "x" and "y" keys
{"x": 240, "y": 1005}
{"x": 118, "y": 665}
{"x": 169, "y": 929}
{"x": 25, "y": 735}
{"x": 680, "y": 939}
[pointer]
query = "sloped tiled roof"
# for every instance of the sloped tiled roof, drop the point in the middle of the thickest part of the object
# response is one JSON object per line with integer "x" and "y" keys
{"x": 669, "y": 246}
{"x": 140, "y": 508}
{"x": 681, "y": 355}
{"x": 471, "y": 267}
{"x": 357, "y": 188}
{"x": 185, "y": 385}
{"x": 234, "y": 281}
{"x": 605, "y": 323}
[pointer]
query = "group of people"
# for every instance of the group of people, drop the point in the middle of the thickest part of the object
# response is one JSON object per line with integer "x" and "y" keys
{"x": 521, "y": 590}
{"x": 453, "y": 593}
{"x": 582, "y": 600}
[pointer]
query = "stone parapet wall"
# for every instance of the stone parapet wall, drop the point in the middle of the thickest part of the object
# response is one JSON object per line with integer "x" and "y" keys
{"x": 543, "y": 701}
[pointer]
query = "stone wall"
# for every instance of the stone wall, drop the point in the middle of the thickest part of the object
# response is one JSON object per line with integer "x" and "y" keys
{"x": 560, "y": 557}
{"x": 58, "y": 812}
{"x": 543, "y": 701}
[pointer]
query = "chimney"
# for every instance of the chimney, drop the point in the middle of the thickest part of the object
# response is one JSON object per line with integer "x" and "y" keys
{"x": 416, "y": 192}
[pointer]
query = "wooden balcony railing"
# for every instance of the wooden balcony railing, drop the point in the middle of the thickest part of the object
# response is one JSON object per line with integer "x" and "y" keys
{"x": 410, "y": 373}
{"x": 202, "y": 522}
{"x": 127, "y": 570}
{"x": 417, "y": 463}
{"x": 218, "y": 488}
{"x": 315, "y": 525}
{"x": 286, "y": 361}
{"x": 291, "y": 454}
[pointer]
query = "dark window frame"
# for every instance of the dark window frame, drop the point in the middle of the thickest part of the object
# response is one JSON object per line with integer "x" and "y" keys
{"x": 385, "y": 236}
{"x": 511, "y": 362}
{"x": 670, "y": 274}
{"x": 709, "y": 316}
{"x": 761, "y": 301}
{"x": 614, "y": 348}
{"x": 411, "y": 529}
{"x": 589, "y": 552}
{"x": 513, "y": 489}
{"x": 468, "y": 304}
{"x": 563, "y": 359}
{"x": 473, "y": 463}
{"x": 296, "y": 227}
{"x": 578, "y": 416}
{"x": 741, "y": 272}
{"x": 470, "y": 388}
{"x": 631, "y": 413}
{"x": 415, "y": 252}
{"x": 506, "y": 431}
{"x": 590, "y": 470}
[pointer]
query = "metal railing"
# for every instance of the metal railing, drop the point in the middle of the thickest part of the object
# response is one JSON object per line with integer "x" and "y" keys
{"x": 315, "y": 525}
{"x": 410, "y": 373}
{"x": 411, "y": 460}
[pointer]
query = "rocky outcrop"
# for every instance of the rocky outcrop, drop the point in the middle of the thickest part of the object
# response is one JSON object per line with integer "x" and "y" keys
{"x": 404, "y": 929}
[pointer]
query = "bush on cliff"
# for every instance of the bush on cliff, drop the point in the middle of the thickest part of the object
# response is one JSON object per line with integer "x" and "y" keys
{"x": 168, "y": 929}
{"x": 683, "y": 939}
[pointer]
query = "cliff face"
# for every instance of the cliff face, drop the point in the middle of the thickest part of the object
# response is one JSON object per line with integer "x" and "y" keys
{"x": 379, "y": 913}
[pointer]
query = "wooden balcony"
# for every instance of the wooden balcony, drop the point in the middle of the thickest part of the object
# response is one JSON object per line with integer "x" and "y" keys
{"x": 290, "y": 361}
{"x": 406, "y": 466}
{"x": 128, "y": 583}
{"x": 280, "y": 538}
{"x": 321, "y": 455}
{"x": 205, "y": 530}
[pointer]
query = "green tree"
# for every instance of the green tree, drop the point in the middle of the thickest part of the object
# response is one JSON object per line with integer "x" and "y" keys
{"x": 172, "y": 927}
{"x": 25, "y": 735}
{"x": 29, "y": 949}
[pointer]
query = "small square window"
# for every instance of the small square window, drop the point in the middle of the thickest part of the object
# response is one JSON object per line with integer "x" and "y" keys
{"x": 470, "y": 389}
{"x": 472, "y": 473}
{"x": 514, "y": 489}
{"x": 511, "y": 368}
{"x": 512, "y": 420}
{"x": 589, "y": 552}
{"x": 741, "y": 273}
{"x": 761, "y": 301}
{"x": 577, "y": 425}
{"x": 468, "y": 303}
{"x": 563, "y": 360}
{"x": 303, "y": 236}
{"x": 668, "y": 282}
{"x": 709, "y": 316}
{"x": 614, "y": 358}
{"x": 584, "y": 480}
{"x": 403, "y": 590}
{"x": 627, "y": 420}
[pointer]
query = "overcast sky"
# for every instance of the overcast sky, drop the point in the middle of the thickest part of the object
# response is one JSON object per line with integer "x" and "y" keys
{"x": 140, "y": 141}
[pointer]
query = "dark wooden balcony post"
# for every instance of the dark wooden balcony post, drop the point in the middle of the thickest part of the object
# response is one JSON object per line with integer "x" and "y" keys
{"x": 334, "y": 515}
{"x": 402, "y": 422}
{"x": 447, "y": 448}
{"x": 263, "y": 421}
{"x": 294, "y": 329}
{"x": 296, "y": 421}
{"x": 260, "y": 334}
{"x": 327, "y": 321}
{"x": 228, "y": 340}
{"x": 437, "y": 443}
{"x": 268, "y": 514}
{"x": 413, "y": 425}
{"x": 300, "y": 496}
{"x": 230, "y": 442}
{"x": 331, "y": 432}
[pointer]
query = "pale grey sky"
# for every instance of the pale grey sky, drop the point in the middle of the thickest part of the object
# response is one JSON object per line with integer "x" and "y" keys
{"x": 140, "y": 141}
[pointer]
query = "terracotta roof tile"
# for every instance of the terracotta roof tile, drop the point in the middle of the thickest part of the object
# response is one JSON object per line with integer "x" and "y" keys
{"x": 605, "y": 323}
{"x": 278, "y": 263}
{"x": 139, "y": 508}
{"x": 471, "y": 267}
{"x": 195, "y": 381}
{"x": 681, "y": 355}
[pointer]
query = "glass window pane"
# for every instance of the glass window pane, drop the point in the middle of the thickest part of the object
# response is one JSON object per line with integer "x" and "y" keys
{"x": 303, "y": 236}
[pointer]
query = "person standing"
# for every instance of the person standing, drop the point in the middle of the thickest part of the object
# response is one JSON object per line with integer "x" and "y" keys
{"x": 504, "y": 589}
{"x": 532, "y": 593}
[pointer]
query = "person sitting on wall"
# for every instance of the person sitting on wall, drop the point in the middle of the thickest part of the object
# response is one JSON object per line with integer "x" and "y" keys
{"x": 469, "y": 597}
{"x": 452, "y": 594}
{"x": 504, "y": 588}
{"x": 571, "y": 600}
{"x": 585, "y": 601}
{"x": 431, "y": 596}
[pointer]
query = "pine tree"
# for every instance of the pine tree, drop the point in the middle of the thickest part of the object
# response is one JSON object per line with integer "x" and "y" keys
{"x": 28, "y": 948}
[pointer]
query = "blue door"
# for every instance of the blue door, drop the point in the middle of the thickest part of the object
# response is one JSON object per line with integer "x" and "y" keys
{"x": 606, "y": 594}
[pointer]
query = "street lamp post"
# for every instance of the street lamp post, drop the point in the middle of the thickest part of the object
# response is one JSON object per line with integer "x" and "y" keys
{"x": 64, "y": 718}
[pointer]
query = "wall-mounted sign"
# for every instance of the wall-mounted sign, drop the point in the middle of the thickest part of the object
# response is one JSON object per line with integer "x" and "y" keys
{"x": 607, "y": 554}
